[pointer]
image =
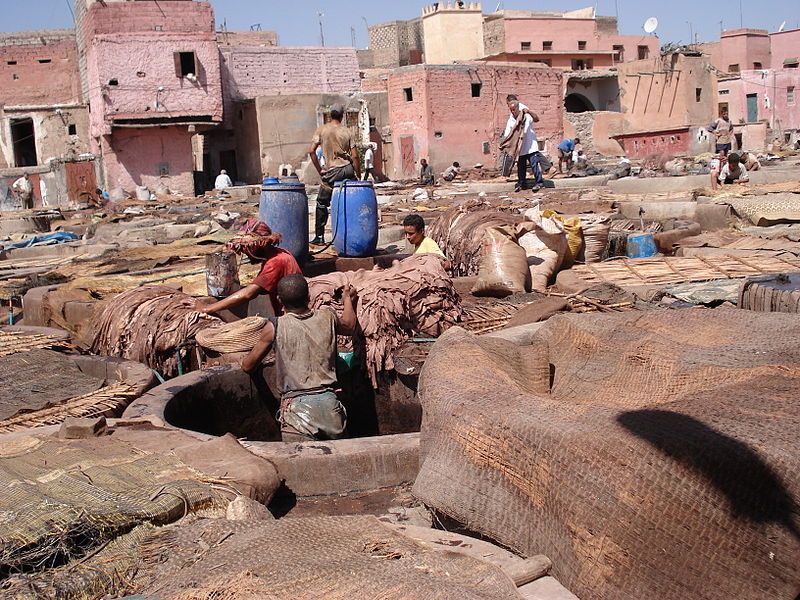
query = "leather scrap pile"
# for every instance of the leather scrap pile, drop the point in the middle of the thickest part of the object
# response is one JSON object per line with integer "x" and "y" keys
{"x": 460, "y": 231}
{"x": 149, "y": 325}
{"x": 415, "y": 296}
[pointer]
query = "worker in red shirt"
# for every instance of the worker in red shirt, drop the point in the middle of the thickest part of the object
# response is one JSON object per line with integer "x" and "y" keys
{"x": 259, "y": 243}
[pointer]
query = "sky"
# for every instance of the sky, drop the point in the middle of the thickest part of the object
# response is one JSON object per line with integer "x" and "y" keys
{"x": 297, "y": 22}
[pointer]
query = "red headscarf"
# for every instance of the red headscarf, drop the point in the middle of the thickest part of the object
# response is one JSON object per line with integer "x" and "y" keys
{"x": 254, "y": 237}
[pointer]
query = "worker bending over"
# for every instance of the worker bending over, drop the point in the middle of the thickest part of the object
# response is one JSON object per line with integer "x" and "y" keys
{"x": 342, "y": 163}
{"x": 259, "y": 244}
{"x": 305, "y": 361}
{"x": 733, "y": 171}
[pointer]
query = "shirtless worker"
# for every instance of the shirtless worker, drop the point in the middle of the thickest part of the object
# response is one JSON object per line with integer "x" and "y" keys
{"x": 305, "y": 361}
{"x": 342, "y": 163}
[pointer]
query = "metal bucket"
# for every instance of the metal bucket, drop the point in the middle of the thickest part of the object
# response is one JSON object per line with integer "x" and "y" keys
{"x": 222, "y": 274}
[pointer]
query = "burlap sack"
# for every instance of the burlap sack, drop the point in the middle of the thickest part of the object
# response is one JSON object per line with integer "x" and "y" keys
{"x": 595, "y": 237}
{"x": 504, "y": 265}
{"x": 545, "y": 245}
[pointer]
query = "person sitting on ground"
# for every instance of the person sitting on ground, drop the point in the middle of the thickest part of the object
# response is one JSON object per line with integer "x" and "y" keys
{"x": 452, "y": 172}
{"x": 565, "y": 150}
{"x": 259, "y": 244}
{"x": 414, "y": 228}
{"x": 304, "y": 340}
{"x": 750, "y": 161}
{"x": 426, "y": 173}
{"x": 723, "y": 128}
{"x": 223, "y": 181}
{"x": 732, "y": 171}
{"x": 341, "y": 164}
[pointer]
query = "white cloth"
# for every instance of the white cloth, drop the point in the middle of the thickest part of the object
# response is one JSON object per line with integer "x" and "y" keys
{"x": 369, "y": 158}
{"x": 529, "y": 142}
{"x": 222, "y": 182}
{"x": 43, "y": 192}
{"x": 725, "y": 173}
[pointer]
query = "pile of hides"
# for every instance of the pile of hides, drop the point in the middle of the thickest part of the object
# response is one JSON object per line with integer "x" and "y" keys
{"x": 460, "y": 231}
{"x": 413, "y": 297}
{"x": 649, "y": 454}
{"x": 149, "y": 325}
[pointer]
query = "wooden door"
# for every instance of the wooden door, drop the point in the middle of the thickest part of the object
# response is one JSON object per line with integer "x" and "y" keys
{"x": 407, "y": 153}
{"x": 752, "y": 108}
{"x": 81, "y": 181}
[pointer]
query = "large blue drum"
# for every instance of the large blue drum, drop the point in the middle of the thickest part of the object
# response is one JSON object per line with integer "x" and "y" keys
{"x": 284, "y": 207}
{"x": 354, "y": 218}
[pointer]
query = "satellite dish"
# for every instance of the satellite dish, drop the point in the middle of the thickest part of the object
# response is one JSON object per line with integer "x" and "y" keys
{"x": 651, "y": 25}
{"x": 782, "y": 27}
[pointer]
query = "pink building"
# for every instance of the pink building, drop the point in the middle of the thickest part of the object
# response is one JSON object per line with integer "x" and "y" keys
{"x": 574, "y": 40}
{"x": 458, "y": 112}
{"x": 153, "y": 81}
{"x": 785, "y": 48}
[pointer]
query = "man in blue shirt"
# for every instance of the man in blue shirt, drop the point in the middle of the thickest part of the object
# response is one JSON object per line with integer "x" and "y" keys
{"x": 565, "y": 149}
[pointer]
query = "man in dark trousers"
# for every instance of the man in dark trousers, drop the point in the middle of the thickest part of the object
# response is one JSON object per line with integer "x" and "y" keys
{"x": 342, "y": 163}
{"x": 305, "y": 361}
{"x": 521, "y": 120}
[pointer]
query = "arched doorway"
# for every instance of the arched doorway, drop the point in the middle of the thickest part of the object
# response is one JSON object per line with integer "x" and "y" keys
{"x": 577, "y": 103}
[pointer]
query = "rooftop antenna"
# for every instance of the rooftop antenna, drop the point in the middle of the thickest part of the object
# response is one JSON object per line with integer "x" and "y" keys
{"x": 321, "y": 32}
{"x": 650, "y": 25}
{"x": 353, "y": 36}
{"x": 782, "y": 27}
{"x": 741, "y": 14}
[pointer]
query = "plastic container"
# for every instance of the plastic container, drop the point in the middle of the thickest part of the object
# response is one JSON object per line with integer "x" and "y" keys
{"x": 284, "y": 207}
{"x": 354, "y": 218}
{"x": 222, "y": 274}
{"x": 641, "y": 245}
{"x": 270, "y": 181}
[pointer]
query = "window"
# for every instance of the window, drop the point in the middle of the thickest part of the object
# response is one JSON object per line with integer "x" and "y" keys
{"x": 23, "y": 140}
{"x": 486, "y": 148}
{"x": 11, "y": 63}
{"x": 644, "y": 52}
{"x": 45, "y": 61}
{"x": 438, "y": 135}
{"x": 14, "y": 76}
{"x": 547, "y": 46}
{"x": 581, "y": 45}
{"x": 791, "y": 65}
{"x": 476, "y": 90}
{"x": 163, "y": 169}
{"x": 72, "y": 130}
{"x": 524, "y": 46}
{"x": 790, "y": 95}
{"x": 733, "y": 68}
{"x": 698, "y": 94}
{"x": 757, "y": 65}
{"x": 581, "y": 65}
{"x": 724, "y": 92}
{"x": 409, "y": 94}
{"x": 185, "y": 64}
{"x": 113, "y": 82}
{"x": 619, "y": 53}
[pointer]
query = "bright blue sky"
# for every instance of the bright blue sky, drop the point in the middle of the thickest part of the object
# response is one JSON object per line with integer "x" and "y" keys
{"x": 297, "y": 25}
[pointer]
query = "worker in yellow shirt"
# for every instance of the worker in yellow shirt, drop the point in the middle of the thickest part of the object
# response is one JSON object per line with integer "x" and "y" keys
{"x": 414, "y": 227}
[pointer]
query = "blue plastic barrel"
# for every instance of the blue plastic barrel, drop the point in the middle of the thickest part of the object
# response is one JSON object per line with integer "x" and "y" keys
{"x": 641, "y": 245}
{"x": 354, "y": 218}
{"x": 284, "y": 207}
{"x": 270, "y": 181}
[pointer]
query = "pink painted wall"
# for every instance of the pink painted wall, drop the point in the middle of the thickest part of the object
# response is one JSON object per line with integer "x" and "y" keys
{"x": 744, "y": 47}
{"x": 784, "y": 44}
{"x": 565, "y": 34}
{"x": 773, "y": 86}
{"x": 132, "y": 157}
{"x": 448, "y": 124}
{"x": 674, "y": 142}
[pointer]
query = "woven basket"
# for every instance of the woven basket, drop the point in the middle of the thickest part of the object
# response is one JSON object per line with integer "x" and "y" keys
{"x": 240, "y": 336}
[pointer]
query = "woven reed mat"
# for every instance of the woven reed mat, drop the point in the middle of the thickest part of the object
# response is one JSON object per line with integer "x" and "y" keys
{"x": 769, "y": 209}
{"x": 39, "y": 379}
{"x": 12, "y": 342}
{"x": 66, "y": 499}
{"x": 663, "y": 461}
{"x": 336, "y": 558}
{"x": 239, "y": 336}
{"x": 670, "y": 270}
